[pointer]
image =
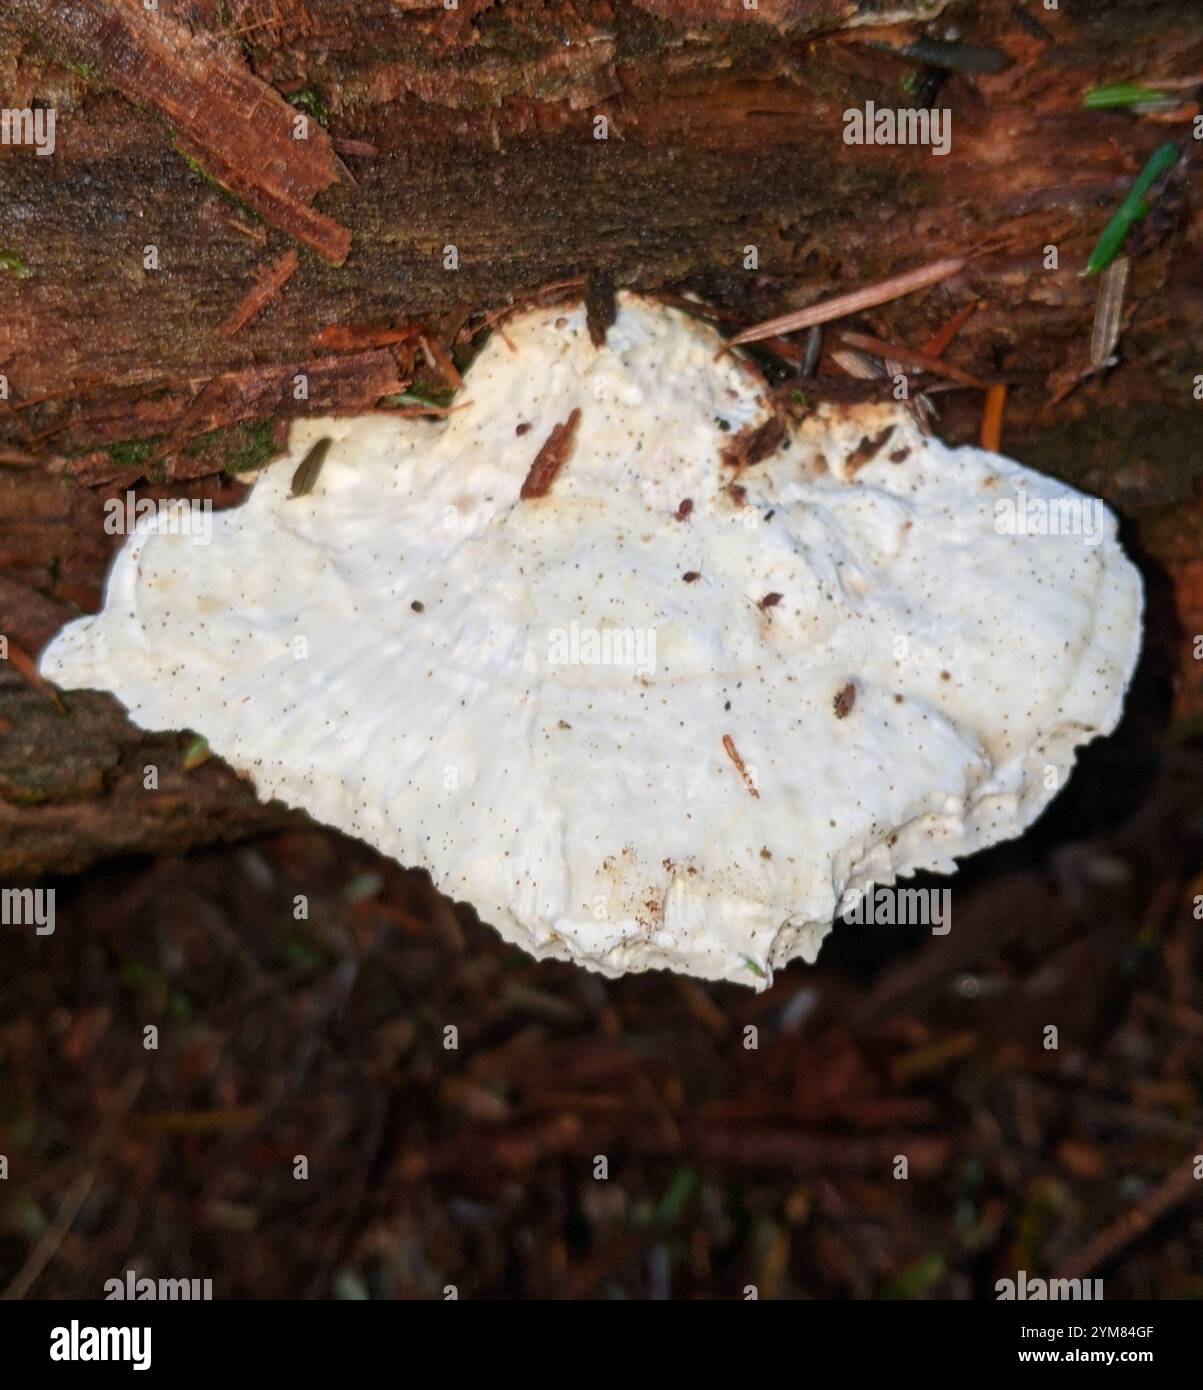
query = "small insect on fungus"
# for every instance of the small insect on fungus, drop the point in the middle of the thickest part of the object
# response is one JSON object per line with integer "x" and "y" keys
{"x": 692, "y": 576}
{"x": 304, "y": 480}
{"x": 770, "y": 601}
{"x": 684, "y": 509}
{"x": 845, "y": 700}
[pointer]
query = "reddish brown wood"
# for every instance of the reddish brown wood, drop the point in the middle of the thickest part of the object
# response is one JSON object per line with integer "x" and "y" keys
{"x": 475, "y": 128}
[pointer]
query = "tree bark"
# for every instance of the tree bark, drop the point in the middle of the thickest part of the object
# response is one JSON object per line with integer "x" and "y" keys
{"x": 663, "y": 144}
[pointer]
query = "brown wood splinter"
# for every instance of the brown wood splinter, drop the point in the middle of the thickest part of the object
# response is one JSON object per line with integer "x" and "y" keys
{"x": 740, "y": 766}
{"x": 551, "y": 458}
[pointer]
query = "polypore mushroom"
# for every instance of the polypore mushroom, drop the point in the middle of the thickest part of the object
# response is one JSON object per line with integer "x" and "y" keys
{"x": 471, "y": 646}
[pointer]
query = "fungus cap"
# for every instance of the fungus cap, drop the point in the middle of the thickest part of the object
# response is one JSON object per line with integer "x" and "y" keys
{"x": 636, "y": 733}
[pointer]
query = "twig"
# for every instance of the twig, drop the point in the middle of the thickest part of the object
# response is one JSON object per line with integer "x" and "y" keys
{"x": 937, "y": 344}
{"x": 440, "y": 360}
{"x": 270, "y": 280}
{"x": 1135, "y": 1222}
{"x": 25, "y": 664}
{"x": 740, "y": 765}
{"x": 992, "y": 413}
{"x": 74, "y": 1198}
{"x": 54, "y": 1235}
{"x": 911, "y": 357}
{"x": 845, "y": 304}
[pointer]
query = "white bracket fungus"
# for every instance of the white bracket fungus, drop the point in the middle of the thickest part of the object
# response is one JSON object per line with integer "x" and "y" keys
{"x": 649, "y": 676}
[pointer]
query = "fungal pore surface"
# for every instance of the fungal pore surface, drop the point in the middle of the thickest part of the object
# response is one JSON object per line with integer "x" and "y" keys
{"x": 651, "y": 675}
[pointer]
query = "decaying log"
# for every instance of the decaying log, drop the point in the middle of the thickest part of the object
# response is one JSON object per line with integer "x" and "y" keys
{"x": 183, "y": 257}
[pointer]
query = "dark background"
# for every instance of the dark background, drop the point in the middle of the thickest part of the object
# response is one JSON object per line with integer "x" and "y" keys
{"x": 727, "y": 1166}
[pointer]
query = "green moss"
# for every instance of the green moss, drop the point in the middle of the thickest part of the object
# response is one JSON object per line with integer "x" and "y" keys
{"x": 196, "y": 751}
{"x": 676, "y": 1197}
{"x": 198, "y": 168}
{"x": 180, "y": 1008}
{"x": 917, "y": 1278}
{"x": 309, "y": 99}
{"x": 139, "y": 974}
{"x": 418, "y": 395}
{"x": 236, "y": 448}
{"x": 130, "y": 453}
{"x": 303, "y": 953}
{"x": 9, "y": 260}
{"x": 254, "y": 448}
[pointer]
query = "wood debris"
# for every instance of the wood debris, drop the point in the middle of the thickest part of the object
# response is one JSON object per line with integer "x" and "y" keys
{"x": 845, "y": 700}
{"x": 753, "y": 443}
{"x": 853, "y": 303}
{"x": 270, "y": 280}
{"x": 236, "y": 127}
{"x": 28, "y": 668}
{"x": 551, "y": 458}
{"x": 440, "y": 359}
{"x": 911, "y": 357}
{"x": 992, "y": 414}
{"x": 740, "y": 765}
{"x": 938, "y": 343}
{"x": 867, "y": 449}
{"x": 350, "y": 338}
{"x": 1109, "y": 313}
{"x": 601, "y": 307}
